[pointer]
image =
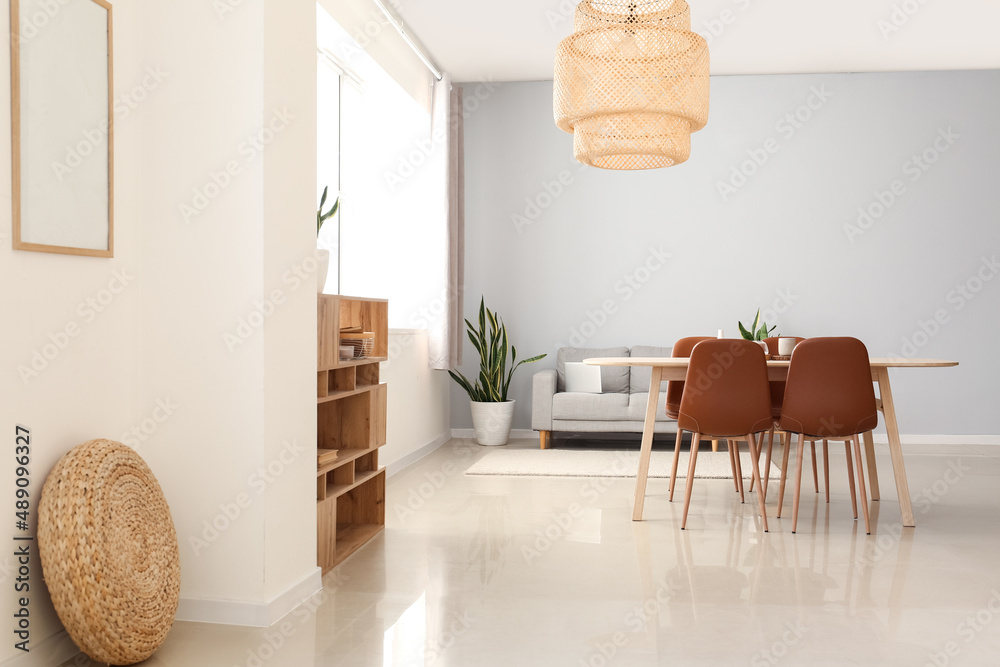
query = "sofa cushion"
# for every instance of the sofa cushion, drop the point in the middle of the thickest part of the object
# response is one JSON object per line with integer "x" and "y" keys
{"x": 637, "y": 407}
{"x": 591, "y": 407}
{"x": 639, "y": 377}
{"x": 614, "y": 379}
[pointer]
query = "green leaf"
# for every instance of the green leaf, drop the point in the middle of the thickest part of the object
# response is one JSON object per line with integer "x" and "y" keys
{"x": 463, "y": 382}
{"x": 756, "y": 321}
{"x": 743, "y": 332}
{"x": 322, "y": 217}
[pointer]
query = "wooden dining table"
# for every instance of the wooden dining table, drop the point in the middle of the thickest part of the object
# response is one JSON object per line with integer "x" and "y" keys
{"x": 675, "y": 368}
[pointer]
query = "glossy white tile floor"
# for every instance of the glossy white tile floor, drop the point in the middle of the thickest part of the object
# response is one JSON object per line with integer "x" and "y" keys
{"x": 475, "y": 571}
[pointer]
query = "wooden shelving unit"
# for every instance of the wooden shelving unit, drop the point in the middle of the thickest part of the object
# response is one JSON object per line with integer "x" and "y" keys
{"x": 350, "y": 417}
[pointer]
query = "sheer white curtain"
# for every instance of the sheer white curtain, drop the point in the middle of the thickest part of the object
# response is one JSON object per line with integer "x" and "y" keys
{"x": 446, "y": 331}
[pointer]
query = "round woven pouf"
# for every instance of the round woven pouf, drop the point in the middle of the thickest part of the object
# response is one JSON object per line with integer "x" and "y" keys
{"x": 109, "y": 552}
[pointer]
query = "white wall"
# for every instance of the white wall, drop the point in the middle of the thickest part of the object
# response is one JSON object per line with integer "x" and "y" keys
{"x": 555, "y": 259}
{"x": 235, "y": 408}
{"x": 418, "y": 410}
{"x": 289, "y": 336}
{"x": 89, "y": 388}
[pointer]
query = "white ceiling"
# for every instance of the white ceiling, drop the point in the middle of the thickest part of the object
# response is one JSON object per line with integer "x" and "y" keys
{"x": 515, "y": 40}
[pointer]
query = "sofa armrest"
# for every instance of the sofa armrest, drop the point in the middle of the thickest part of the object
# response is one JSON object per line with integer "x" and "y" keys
{"x": 543, "y": 388}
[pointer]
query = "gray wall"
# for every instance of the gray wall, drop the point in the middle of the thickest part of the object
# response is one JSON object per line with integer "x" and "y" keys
{"x": 786, "y": 238}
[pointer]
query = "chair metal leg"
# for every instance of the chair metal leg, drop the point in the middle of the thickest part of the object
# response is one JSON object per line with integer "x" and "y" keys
{"x": 861, "y": 484}
{"x": 826, "y": 470}
{"x": 759, "y": 448}
{"x": 786, "y": 443}
{"x": 850, "y": 478}
{"x": 798, "y": 480}
{"x": 735, "y": 444}
{"x": 815, "y": 474}
{"x": 754, "y": 455}
{"x": 732, "y": 466}
{"x": 673, "y": 468}
{"x": 872, "y": 469}
{"x": 690, "y": 478}
{"x": 767, "y": 460}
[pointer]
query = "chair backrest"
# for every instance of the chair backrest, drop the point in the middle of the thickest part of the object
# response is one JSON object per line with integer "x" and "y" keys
{"x": 675, "y": 388}
{"x": 772, "y": 343}
{"x": 778, "y": 388}
{"x": 726, "y": 390}
{"x": 829, "y": 392}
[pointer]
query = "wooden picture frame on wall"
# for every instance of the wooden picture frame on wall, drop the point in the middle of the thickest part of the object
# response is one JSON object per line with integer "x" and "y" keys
{"x": 62, "y": 126}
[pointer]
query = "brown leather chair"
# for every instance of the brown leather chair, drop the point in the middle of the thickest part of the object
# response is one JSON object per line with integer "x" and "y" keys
{"x": 725, "y": 395}
{"x": 675, "y": 390}
{"x": 829, "y": 395}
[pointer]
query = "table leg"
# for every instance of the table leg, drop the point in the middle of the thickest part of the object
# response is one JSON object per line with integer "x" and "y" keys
{"x": 646, "y": 450}
{"x": 872, "y": 471}
{"x": 895, "y": 447}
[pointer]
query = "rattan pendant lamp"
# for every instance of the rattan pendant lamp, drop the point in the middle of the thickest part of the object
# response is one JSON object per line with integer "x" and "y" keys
{"x": 631, "y": 83}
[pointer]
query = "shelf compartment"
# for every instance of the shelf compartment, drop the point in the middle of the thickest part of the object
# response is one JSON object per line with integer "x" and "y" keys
{"x": 360, "y": 478}
{"x": 366, "y": 463}
{"x": 365, "y": 502}
{"x": 344, "y": 363}
{"x": 338, "y": 312}
{"x": 322, "y": 384}
{"x": 367, "y": 374}
{"x": 345, "y": 456}
{"x": 336, "y": 395}
{"x": 369, "y": 314}
{"x": 351, "y": 537}
{"x": 342, "y": 379}
{"x": 345, "y": 423}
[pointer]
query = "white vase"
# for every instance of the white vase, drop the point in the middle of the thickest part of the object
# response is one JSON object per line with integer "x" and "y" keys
{"x": 763, "y": 346}
{"x": 323, "y": 267}
{"x": 492, "y": 422}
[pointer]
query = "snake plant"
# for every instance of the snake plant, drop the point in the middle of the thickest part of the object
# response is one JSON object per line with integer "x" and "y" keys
{"x": 758, "y": 330}
{"x": 494, "y": 378}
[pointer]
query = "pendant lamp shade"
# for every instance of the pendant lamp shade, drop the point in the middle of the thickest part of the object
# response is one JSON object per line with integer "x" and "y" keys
{"x": 631, "y": 83}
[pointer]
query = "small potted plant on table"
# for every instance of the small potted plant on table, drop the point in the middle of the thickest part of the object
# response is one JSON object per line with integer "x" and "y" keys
{"x": 758, "y": 331}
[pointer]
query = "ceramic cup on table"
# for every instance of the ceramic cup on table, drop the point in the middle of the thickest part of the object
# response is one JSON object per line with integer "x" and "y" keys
{"x": 785, "y": 346}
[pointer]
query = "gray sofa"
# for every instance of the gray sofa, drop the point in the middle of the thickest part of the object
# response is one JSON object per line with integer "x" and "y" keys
{"x": 621, "y": 408}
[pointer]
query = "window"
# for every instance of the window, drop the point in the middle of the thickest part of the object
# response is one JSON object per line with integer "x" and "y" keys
{"x": 339, "y": 98}
{"x": 375, "y": 142}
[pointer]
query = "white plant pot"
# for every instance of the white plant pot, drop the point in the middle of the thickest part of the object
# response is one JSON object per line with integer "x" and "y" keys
{"x": 323, "y": 267}
{"x": 492, "y": 422}
{"x": 763, "y": 346}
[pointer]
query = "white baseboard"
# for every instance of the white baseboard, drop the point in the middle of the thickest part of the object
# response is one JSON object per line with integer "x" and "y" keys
{"x": 416, "y": 455}
{"x": 882, "y": 439}
{"x": 53, "y": 650}
{"x": 470, "y": 433}
{"x": 255, "y": 614}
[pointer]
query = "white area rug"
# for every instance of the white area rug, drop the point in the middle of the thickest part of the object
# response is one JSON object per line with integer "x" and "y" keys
{"x": 599, "y": 463}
